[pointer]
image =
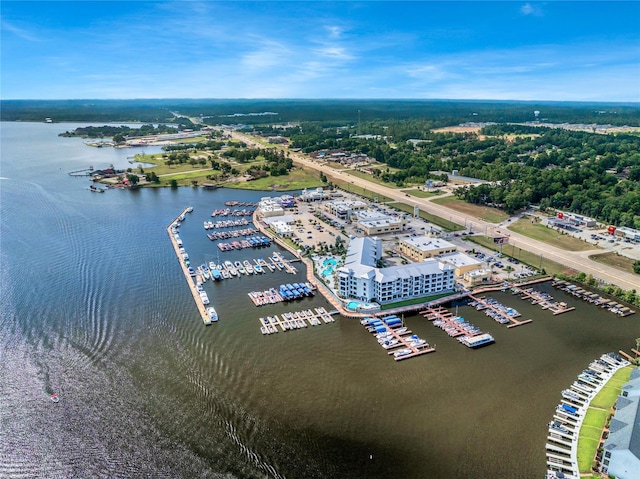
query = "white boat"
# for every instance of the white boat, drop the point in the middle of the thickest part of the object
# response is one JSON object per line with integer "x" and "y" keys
{"x": 247, "y": 267}
{"x": 55, "y": 398}
{"x": 211, "y": 312}
{"x": 204, "y": 297}
{"x": 402, "y": 352}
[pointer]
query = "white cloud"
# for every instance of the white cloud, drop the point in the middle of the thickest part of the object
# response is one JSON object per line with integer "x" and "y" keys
{"x": 529, "y": 9}
{"x": 19, "y": 32}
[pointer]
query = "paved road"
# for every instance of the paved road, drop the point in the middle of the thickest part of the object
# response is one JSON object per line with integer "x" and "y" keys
{"x": 571, "y": 259}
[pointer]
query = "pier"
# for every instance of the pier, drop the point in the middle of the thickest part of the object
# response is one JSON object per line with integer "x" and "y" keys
{"x": 176, "y": 247}
{"x": 498, "y": 311}
{"x": 543, "y": 299}
{"x": 592, "y": 298}
{"x": 295, "y": 320}
{"x": 397, "y": 339}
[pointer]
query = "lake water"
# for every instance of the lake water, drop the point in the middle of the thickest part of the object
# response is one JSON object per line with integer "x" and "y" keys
{"x": 94, "y": 307}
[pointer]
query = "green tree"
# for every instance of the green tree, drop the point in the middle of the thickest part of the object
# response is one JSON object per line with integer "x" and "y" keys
{"x": 173, "y": 183}
{"x": 636, "y": 267}
{"x": 133, "y": 179}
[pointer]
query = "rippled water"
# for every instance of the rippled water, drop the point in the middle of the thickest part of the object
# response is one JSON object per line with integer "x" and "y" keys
{"x": 94, "y": 307}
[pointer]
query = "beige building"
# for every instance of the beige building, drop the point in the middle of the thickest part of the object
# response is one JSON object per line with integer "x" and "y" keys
{"x": 422, "y": 247}
{"x": 344, "y": 209}
{"x": 477, "y": 276}
{"x": 372, "y": 223}
{"x": 462, "y": 263}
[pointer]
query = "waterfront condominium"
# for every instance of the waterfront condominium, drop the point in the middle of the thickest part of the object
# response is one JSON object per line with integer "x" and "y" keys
{"x": 360, "y": 279}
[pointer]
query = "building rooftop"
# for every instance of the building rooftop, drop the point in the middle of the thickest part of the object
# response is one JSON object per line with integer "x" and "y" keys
{"x": 459, "y": 259}
{"x": 428, "y": 244}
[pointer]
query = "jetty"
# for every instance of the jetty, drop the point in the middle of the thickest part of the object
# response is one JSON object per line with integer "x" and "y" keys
{"x": 177, "y": 244}
{"x": 499, "y": 312}
{"x": 397, "y": 339}
{"x": 545, "y": 300}
{"x": 592, "y": 298}
{"x": 294, "y": 320}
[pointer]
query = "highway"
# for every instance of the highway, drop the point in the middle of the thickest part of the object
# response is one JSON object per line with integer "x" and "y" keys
{"x": 622, "y": 279}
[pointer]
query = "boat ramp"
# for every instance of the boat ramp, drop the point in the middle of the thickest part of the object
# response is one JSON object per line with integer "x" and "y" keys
{"x": 295, "y": 320}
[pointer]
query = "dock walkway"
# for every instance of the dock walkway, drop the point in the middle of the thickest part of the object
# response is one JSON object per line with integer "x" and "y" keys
{"x": 196, "y": 296}
{"x": 294, "y": 320}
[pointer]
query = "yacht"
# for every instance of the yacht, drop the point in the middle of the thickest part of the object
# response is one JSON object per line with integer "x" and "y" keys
{"x": 55, "y": 398}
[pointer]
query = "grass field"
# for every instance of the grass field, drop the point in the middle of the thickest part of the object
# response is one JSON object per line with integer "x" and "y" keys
{"x": 547, "y": 235}
{"x": 614, "y": 259}
{"x": 185, "y": 173}
{"x": 371, "y": 178}
{"x": 492, "y": 215}
{"x": 436, "y": 220}
{"x": 297, "y": 179}
{"x": 550, "y": 267}
{"x": 420, "y": 193}
{"x": 351, "y": 188}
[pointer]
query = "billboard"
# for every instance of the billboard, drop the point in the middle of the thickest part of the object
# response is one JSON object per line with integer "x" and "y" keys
{"x": 501, "y": 239}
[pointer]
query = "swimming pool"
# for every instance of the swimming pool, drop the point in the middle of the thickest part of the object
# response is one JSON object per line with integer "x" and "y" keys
{"x": 329, "y": 265}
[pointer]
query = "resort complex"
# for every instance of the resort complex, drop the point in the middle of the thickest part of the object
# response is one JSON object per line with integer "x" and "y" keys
{"x": 360, "y": 278}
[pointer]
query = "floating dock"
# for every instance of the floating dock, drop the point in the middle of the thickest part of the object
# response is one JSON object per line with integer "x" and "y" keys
{"x": 498, "y": 311}
{"x": 592, "y": 298}
{"x": 294, "y": 320}
{"x": 545, "y": 300}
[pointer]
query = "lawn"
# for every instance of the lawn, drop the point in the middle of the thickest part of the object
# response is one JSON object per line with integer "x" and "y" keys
{"x": 421, "y": 193}
{"x": 371, "y": 178}
{"x": 297, "y": 179}
{"x": 589, "y": 437}
{"x": 550, "y": 236}
{"x": 351, "y": 188}
{"x": 436, "y": 220}
{"x": 615, "y": 260}
{"x": 609, "y": 393}
{"x": 526, "y": 257}
{"x": 492, "y": 215}
{"x": 596, "y": 417}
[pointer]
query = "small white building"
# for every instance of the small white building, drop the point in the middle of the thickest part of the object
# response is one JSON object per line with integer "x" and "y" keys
{"x": 628, "y": 233}
{"x": 282, "y": 228}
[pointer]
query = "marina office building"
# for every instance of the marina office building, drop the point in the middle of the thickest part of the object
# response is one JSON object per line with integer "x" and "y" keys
{"x": 360, "y": 279}
{"x": 423, "y": 247}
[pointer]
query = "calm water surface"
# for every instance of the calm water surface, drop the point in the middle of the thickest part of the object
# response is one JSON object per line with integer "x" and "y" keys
{"x": 94, "y": 307}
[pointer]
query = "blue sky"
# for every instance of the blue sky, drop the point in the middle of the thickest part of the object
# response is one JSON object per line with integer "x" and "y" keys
{"x": 574, "y": 51}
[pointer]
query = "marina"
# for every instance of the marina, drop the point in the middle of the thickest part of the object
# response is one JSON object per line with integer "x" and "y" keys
{"x": 562, "y": 439}
{"x": 294, "y": 320}
{"x": 285, "y": 292}
{"x": 545, "y": 300}
{"x": 391, "y": 334}
{"x": 456, "y": 327}
{"x": 497, "y": 311}
{"x": 199, "y": 296}
{"x": 592, "y": 298}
